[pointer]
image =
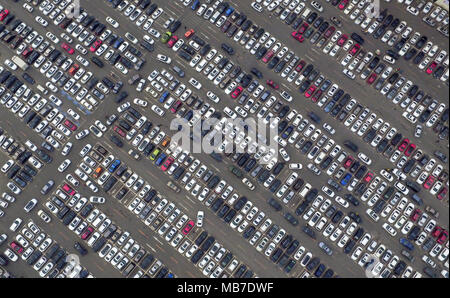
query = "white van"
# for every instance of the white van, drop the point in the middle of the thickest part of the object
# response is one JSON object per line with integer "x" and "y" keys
{"x": 42, "y": 89}
{"x": 305, "y": 13}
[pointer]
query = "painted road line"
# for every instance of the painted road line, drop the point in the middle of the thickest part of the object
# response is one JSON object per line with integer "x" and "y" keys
{"x": 174, "y": 260}
{"x": 187, "y": 197}
{"x": 158, "y": 240}
{"x": 150, "y": 247}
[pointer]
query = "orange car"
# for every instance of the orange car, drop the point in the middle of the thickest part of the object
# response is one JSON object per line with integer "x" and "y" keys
{"x": 165, "y": 142}
{"x": 97, "y": 172}
{"x": 189, "y": 33}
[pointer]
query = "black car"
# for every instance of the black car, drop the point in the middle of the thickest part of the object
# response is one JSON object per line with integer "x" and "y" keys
{"x": 291, "y": 219}
{"x": 227, "y": 48}
{"x": 261, "y": 52}
{"x": 174, "y": 26}
{"x": 256, "y": 72}
{"x": 83, "y": 251}
{"x": 350, "y": 145}
{"x": 28, "y": 78}
{"x": 308, "y": 231}
{"x": 116, "y": 141}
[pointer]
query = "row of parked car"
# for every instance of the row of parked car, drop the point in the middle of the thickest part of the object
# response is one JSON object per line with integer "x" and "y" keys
{"x": 40, "y": 251}
{"x": 356, "y": 66}
{"x": 102, "y": 235}
{"x": 24, "y": 165}
{"x": 344, "y": 114}
{"x": 172, "y": 166}
{"x": 160, "y": 215}
{"x": 433, "y": 15}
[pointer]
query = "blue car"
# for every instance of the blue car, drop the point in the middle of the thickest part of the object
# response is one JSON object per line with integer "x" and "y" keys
{"x": 114, "y": 166}
{"x": 160, "y": 159}
{"x": 229, "y": 11}
{"x": 164, "y": 96}
{"x": 189, "y": 115}
{"x": 346, "y": 179}
{"x": 319, "y": 271}
{"x": 118, "y": 42}
{"x": 329, "y": 106}
{"x": 405, "y": 242}
{"x": 195, "y": 5}
{"x": 287, "y": 132}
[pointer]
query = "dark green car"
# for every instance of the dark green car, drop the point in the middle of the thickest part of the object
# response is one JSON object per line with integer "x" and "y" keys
{"x": 236, "y": 171}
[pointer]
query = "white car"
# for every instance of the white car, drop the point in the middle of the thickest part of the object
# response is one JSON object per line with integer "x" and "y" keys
{"x": 10, "y": 64}
{"x": 16, "y": 224}
{"x": 364, "y": 158}
{"x": 140, "y": 102}
{"x": 200, "y": 217}
{"x": 164, "y": 59}
{"x": 41, "y": 21}
{"x": 197, "y": 85}
{"x": 158, "y": 110}
{"x": 64, "y": 165}
{"x": 112, "y": 22}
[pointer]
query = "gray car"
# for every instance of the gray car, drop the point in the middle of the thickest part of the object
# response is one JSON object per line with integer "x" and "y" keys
{"x": 47, "y": 187}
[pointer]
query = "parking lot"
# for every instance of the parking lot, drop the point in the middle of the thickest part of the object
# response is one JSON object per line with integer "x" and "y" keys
{"x": 357, "y": 189}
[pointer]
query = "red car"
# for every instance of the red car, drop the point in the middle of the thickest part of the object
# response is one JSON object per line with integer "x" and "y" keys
{"x": 429, "y": 182}
{"x": 27, "y": 52}
{"x": 329, "y": 32}
{"x": 342, "y": 40}
{"x": 167, "y": 164}
{"x": 188, "y": 227}
{"x": 16, "y": 247}
{"x": 172, "y": 41}
{"x": 300, "y": 66}
{"x": 4, "y": 14}
{"x": 368, "y": 177}
{"x": 303, "y": 28}
{"x": 410, "y": 149}
{"x": 119, "y": 131}
{"x": 431, "y": 67}
{"x": 237, "y": 92}
{"x": 298, "y": 36}
{"x": 96, "y": 45}
{"x": 272, "y": 84}
{"x": 416, "y": 214}
{"x": 371, "y": 79}
{"x": 403, "y": 145}
{"x": 443, "y": 237}
{"x": 73, "y": 69}
{"x": 354, "y": 49}
{"x": 441, "y": 195}
{"x": 316, "y": 96}
{"x": 343, "y": 4}
{"x": 70, "y": 125}
{"x": 87, "y": 233}
{"x": 68, "y": 189}
{"x": 176, "y": 106}
{"x": 437, "y": 231}
{"x": 310, "y": 91}
{"x": 268, "y": 56}
{"x": 348, "y": 162}
{"x": 67, "y": 48}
